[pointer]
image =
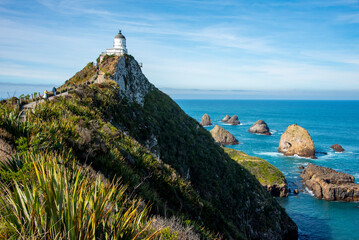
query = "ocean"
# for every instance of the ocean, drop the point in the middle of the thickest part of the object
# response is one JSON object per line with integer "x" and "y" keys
{"x": 328, "y": 122}
{"x": 8, "y": 90}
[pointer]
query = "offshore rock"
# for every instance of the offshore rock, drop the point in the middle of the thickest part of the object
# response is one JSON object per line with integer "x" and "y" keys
{"x": 337, "y": 148}
{"x": 206, "y": 120}
{"x": 233, "y": 120}
{"x": 222, "y": 136}
{"x": 260, "y": 127}
{"x": 296, "y": 141}
{"x": 226, "y": 118}
{"x": 329, "y": 184}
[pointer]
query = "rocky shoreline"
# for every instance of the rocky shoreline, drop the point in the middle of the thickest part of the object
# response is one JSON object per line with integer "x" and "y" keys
{"x": 330, "y": 185}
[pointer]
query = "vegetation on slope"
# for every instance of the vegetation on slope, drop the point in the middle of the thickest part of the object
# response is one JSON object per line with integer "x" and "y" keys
{"x": 83, "y": 76}
{"x": 230, "y": 197}
{"x": 266, "y": 173}
{"x": 80, "y": 123}
{"x": 68, "y": 203}
{"x": 164, "y": 156}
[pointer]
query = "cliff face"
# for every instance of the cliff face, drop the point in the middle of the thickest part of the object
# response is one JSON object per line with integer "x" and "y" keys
{"x": 229, "y": 200}
{"x": 132, "y": 83}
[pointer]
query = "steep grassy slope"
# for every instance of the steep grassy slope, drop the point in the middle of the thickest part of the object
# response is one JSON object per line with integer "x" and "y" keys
{"x": 232, "y": 200}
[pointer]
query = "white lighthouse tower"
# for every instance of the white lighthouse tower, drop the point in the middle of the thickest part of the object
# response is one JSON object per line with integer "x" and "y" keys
{"x": 119, "y": 46}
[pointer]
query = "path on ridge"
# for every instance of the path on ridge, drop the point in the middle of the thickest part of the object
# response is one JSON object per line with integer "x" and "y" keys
{"x": 99, "y": 79}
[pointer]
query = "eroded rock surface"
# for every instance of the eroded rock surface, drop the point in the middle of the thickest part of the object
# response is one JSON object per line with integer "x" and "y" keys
{"x": 206, "y": 120}
{"x": 260, "y": 127}
{"x": 222, "y": 136}
{"x": 132, "y": 82}
{"x": 329, "y": 184}
{"x": 6, "y": 149}
{"x": 233, "y": 120}
{"x": 296, "y": 141}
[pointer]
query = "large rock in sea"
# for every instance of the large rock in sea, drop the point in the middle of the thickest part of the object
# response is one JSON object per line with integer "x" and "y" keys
{"x": 233, "y": 120}
{"x": 268, "y": 175}
{"x": 226, "y": 118}
{"x": 329, "y": 184}
{"x": 222, "y": 136}
{"x": 260, "y": 127}
{"x": 206, "y": 120}
{"x": 337, "y": 148}
{"x": 296, "y": 141}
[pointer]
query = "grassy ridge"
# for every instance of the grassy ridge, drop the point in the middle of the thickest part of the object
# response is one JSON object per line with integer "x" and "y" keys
{"x": 266, "y": 173}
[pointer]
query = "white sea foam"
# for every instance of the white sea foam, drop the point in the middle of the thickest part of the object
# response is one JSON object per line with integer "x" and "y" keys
{"x": 272, "y": 154}
{"x": 309, "y": 191}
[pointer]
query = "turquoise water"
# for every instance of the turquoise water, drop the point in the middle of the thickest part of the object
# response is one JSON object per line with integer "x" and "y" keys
{"x": 328, "y": 122}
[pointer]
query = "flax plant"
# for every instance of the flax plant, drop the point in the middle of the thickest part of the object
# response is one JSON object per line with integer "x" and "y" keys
{"x": 67, "y": 203}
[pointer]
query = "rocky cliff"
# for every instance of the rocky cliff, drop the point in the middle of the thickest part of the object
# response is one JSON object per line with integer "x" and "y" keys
{"x": 229, "y": 199}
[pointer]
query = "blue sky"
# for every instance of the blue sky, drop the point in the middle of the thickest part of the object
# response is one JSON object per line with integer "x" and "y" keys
{"x": 296, "y": 49}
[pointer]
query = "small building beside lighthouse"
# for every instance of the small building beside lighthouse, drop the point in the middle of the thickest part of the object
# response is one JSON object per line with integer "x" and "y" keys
{"x": 119, "y": 46}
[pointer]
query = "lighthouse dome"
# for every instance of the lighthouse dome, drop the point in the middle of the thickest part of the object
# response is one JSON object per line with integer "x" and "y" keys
{"x": 119, "y": 35}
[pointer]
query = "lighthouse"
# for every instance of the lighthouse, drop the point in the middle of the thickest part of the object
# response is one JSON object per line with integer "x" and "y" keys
{"x": 119, "y": 46}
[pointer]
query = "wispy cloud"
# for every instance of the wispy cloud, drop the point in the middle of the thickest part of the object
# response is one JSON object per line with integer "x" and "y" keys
{"x": 350, "y": 18}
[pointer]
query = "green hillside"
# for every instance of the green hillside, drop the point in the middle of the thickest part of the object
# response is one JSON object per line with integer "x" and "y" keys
{"x": 134, "y": 133}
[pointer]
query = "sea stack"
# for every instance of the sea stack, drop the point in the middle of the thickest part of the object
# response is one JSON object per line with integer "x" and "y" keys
{"x": 206, "y": 120}
{"x": 233, "y": 120}
{"x": 296, "y": 141}
{"x": 260, "y": 127}
{"x": 222, "y": 136}
{"x": 329, "y": 184}
{"x": 226, "y": 118}
{"x": 337, "y": 148}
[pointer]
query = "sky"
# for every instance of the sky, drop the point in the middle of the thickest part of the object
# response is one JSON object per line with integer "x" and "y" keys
{"x": 305, "y": 49}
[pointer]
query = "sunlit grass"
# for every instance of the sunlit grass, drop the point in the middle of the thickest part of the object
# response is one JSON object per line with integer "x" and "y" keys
{"x": 67, "y": 203}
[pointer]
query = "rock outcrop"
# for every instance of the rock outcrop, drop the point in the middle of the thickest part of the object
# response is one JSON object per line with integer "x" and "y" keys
{"x": 6, "y": 149}
{"x": 268, "y": 175}
{"x": 131, "y": 81}
{"x": 226, "y": 118}
{"x": 260, "y": 127}
{"x": 329, "y": 184}
{"x": 233, "y": 120}
{"x": 296, "y": 141}
{"x": 222, "y": 136}
{"x": 337, "y": 148}
{"x": 206, "y": 120}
